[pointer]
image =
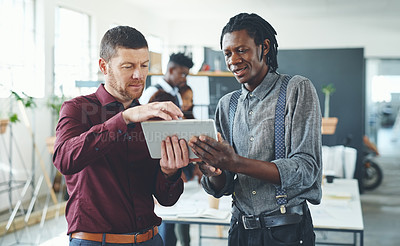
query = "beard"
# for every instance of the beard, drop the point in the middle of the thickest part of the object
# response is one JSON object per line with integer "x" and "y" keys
{"x": 121, "y": 89}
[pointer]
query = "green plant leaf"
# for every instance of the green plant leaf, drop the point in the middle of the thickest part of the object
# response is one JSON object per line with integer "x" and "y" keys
{"x": 28, "y": 102}
{"x": 13, "y": 118}
{"x": 328, "y": 89}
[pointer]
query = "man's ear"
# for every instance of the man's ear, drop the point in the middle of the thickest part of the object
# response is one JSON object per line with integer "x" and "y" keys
{"x": 171, "y": 69}
{"x": 266, "y": 46}
{"x": 103, "y": 66}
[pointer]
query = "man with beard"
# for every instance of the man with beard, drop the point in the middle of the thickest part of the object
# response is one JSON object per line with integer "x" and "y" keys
{"x": 272, "y": 163}
{"x": 101, "y": 150}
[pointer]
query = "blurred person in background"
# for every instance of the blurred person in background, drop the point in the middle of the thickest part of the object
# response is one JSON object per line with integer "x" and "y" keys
{"x": 177, "y": 70}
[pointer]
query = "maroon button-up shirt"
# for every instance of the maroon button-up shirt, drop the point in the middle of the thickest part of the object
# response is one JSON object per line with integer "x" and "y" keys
{"x": 110, "y": 176}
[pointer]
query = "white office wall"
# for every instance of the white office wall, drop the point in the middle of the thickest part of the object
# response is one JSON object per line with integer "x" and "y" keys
{"x": 379, "y": 38}
{"x": 104, "y": 14}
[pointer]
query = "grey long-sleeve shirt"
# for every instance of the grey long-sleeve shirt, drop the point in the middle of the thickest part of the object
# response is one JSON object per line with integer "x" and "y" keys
{"x": 253, "y": 137}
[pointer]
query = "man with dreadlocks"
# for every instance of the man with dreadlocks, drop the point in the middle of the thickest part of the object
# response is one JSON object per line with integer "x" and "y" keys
{"x": 272, "y": 163}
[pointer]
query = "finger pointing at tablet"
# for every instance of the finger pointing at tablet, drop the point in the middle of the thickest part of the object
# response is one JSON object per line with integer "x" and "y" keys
{"x": 163, "y": 110}
{"x": 218, "y": 154}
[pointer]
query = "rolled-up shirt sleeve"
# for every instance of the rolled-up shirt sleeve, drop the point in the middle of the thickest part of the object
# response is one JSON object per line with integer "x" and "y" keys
{"x": 225, "y": 191}
{"x": 302, "y": 167}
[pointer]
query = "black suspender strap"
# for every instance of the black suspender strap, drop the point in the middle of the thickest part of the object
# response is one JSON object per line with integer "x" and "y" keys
{"x": 280, "y": 194}
{"x": 232, "y": 110}
{"x": 158, "y": 87}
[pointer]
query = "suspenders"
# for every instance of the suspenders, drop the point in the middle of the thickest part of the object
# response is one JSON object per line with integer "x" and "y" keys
{"x": 280, "y": 194}
{"x": 158, "y": 87}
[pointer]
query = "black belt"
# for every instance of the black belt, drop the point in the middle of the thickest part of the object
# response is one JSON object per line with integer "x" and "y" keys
{"x": 293, "y": 215}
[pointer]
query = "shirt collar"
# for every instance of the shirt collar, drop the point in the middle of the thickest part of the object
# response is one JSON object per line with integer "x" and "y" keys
{"x": 262, "y": 90}
{"x": 168, "y": 88}
{"x": 105, "y": 98}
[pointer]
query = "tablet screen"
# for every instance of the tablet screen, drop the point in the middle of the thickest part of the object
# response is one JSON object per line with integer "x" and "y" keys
{"x": 156, "y": 131}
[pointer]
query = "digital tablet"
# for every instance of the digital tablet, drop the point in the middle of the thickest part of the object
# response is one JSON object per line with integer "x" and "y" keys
{"x": 156, "y": 131}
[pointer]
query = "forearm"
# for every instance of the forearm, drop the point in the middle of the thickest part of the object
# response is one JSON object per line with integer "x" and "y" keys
{"x": 262, "y": 170}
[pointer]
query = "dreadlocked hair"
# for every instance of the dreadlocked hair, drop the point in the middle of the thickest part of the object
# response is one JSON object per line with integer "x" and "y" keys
{"x": 257, "y": 28}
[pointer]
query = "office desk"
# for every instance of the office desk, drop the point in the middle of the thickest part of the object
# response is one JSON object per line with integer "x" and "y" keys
{"x": 340, "y": 210}
{"x": 193, "y": 208}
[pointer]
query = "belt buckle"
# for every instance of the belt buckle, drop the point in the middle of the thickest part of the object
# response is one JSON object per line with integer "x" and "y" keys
{"x": 135, "y": 236}
{"x": 251, "y": 222}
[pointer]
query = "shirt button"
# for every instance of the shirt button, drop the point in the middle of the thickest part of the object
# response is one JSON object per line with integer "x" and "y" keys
{"x": 254, "y": 192}
{"x": 251, "y": 94}
{"x": 251, "y": 138}
{"x": 250, "y": 112}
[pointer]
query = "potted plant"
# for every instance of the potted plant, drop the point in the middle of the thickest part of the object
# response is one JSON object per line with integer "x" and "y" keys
{"x": 28, "y": 102}
{"x": 328, "y": 123}
{"x": 5, "y": 120}
{"x": 7, "y": 117}
{"x": 3, "y": 125}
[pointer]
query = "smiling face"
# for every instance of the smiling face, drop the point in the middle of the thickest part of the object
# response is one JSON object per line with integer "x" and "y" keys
{"x": 125, "y": 74}
{"x": 242, "y": 57}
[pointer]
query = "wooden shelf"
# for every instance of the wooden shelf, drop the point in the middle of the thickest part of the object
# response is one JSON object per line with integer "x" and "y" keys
{"x": 206, "y": 73}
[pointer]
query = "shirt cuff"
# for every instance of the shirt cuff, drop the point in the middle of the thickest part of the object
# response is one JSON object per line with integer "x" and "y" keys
{"x": 226, "y": 190}
{"x": 116, "y": 126}
{"x": 173, "y": 179}
{"x": 283, "y": 170}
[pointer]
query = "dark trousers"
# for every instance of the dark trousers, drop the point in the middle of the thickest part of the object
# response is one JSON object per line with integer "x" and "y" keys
{"x": 171, "y": 233}
{"x": 294, "y": 234}
{"x": 167, "y": 233}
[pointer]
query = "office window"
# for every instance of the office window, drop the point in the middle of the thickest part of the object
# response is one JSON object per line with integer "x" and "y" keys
{"x": 18, "y": 66}
{"x": 72, "y": 53}
{"x": 385, "y": 88}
